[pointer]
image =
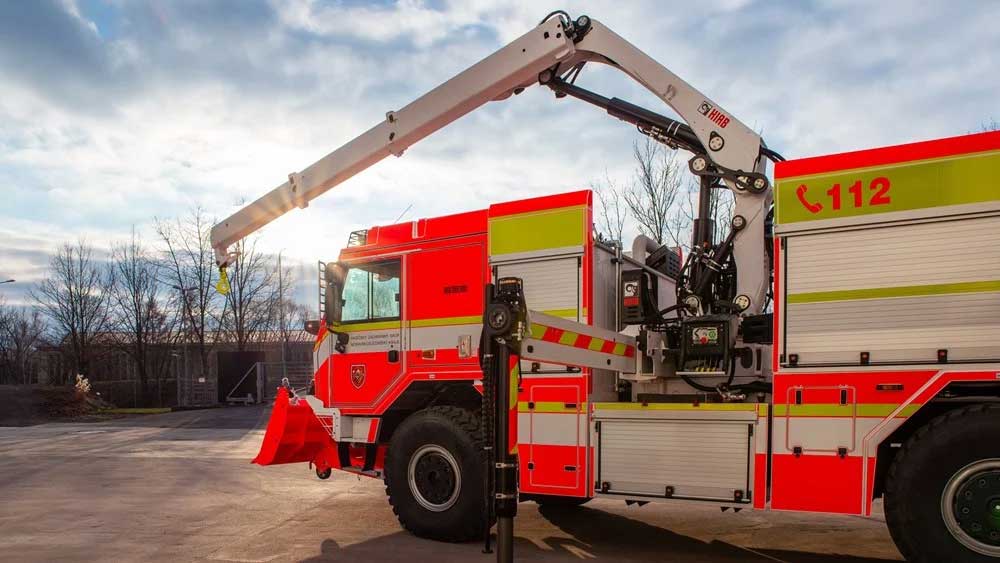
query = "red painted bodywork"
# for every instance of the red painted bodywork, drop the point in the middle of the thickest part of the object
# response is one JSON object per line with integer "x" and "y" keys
{"x": 809, "y": 481}
{"x": 938, "y": 148}
{"x": 827, "y": 482}
{"x": 294, "y": 433}
{"x": 445, "y": 269}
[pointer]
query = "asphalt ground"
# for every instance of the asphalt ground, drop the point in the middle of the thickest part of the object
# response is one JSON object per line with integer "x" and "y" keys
{"x": 179, "y": 487}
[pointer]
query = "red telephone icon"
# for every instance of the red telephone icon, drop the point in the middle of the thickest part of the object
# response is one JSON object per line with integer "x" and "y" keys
{"x": 812, "y": 207}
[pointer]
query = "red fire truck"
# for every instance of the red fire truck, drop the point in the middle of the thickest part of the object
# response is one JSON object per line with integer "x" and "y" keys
{"x": 838, "y": 346}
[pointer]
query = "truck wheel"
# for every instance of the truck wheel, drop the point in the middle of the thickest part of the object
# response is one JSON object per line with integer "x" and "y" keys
{"x": 942, "y": 500}
{"x": 434, "y": 474}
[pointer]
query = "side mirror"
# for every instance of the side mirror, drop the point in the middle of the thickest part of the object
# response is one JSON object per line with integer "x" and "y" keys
{"x": 312, "y": 327}
{"x": 335, "y": 275}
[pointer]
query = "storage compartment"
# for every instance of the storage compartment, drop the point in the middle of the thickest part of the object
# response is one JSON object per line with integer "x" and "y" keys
{"x": 551, "y": 286}
{"x": 894, "y": 294}
{"x": 675, "y": 451}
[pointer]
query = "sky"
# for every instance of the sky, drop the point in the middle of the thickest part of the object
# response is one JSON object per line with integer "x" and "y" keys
{"x": 117, "y": 112}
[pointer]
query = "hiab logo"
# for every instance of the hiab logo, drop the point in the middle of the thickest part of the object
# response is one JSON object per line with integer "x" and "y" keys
{"x": 631, "y": 289}
{"x": 715, "y": 115}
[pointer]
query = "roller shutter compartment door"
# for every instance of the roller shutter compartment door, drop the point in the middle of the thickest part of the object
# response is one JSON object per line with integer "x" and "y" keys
{"x": 899, "y": 293}
{"x": 551, "y": 286}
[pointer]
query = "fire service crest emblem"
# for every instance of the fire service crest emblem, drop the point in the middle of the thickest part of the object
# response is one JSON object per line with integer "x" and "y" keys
{"x": 358, "y": 375}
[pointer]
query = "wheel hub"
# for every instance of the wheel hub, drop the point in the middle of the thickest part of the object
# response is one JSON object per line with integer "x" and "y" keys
{"x": 971, "y": 507}
{"x": 434, "y": 478}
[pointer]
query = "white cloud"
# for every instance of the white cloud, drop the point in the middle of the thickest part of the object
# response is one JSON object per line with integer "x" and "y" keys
{"x": 106, "y": 124}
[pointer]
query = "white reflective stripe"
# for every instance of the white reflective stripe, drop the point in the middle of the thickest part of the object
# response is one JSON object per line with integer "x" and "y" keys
{"x": 374, "y": 340}
{"x": 438, "y": 337}
{"x": 761, "y": 435}
{"x": 551, "y": 429}
{"x": 323, "y": 351}
{"x": 821, "y": 435}
{"x": 317, "y": 406}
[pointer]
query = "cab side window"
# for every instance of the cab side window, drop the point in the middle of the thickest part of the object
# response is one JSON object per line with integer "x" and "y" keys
{"x": 371, "y": 292}
{"x": 355, "y": 295}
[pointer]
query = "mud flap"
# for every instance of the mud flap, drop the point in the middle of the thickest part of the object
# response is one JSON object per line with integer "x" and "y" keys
{"x": 294, "y": 434}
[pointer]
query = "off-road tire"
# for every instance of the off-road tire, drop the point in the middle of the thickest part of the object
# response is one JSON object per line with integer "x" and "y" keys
{"x": 458, "y": 431}
{"x": 920, "y": 473}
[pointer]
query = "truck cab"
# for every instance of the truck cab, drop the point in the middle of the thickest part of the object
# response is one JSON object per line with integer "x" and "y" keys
{"x": 408, "y": 301}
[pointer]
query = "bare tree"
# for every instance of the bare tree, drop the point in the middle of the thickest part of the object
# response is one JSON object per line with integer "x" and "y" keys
{"x": 253, "y": 296}
{"x": 720, "y": 212}
{"x": 661, "y": 198}
{"x": 289, "y": 316}
{"x": 141, "y": 320}
{"x": 74, "y": 297}
{"x": 991, "y": 125}
{"x": 190, "y": 270}
{"x": 612, "y": 212}
{"x": 24, "y": 331}
{"x": 653, "y": 193}
{"x": 6, "y": 367}
{"x": 21, "y": 332}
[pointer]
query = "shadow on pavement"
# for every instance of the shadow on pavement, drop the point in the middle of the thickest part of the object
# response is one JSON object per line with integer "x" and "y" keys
{"x": 611, "y": 535}
{"x": 218, "y": 418}
{"x": 593, "y": 534}
{"x": 222, "y": 424}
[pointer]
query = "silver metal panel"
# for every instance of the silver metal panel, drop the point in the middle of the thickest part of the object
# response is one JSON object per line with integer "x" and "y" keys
{"x": 605, "y": 315}
{"x": 897, "y": 329}
{"x": 904, "y": 329}
{"x": 747, "y": 412}
{"x": 549, "y": 285}
{"x": 920, "y": 254}
{"x": 535, "y": 255}
{"x": 706, "y": 459}
{"x": 605, "y": 289}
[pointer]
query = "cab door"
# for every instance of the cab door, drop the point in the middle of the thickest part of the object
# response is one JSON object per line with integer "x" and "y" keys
{"x": 371, "y": 317}
{"x": 445, "y": 310}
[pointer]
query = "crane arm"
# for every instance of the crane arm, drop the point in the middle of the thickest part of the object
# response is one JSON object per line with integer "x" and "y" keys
{"x": 557, "y": 47}
{"x": 515, "y": 66}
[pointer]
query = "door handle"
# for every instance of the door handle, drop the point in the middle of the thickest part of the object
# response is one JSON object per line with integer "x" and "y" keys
{"x": 393, "y": 356}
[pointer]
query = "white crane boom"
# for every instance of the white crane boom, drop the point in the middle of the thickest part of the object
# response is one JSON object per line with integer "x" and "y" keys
{"x": 555, "y": 47}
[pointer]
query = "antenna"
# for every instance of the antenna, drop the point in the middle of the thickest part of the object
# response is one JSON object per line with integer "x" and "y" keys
{"x": 408, "y": 207}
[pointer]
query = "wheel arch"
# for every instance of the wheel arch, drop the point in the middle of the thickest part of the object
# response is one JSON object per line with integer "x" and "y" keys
{"x": 423, "y": 394}
{"x": 955, "y": 395}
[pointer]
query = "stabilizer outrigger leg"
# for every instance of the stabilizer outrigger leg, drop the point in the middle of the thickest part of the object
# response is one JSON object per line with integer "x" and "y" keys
{"x": 504, "y": 327}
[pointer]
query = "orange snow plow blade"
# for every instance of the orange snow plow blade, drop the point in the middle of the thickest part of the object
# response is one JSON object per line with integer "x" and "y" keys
{"x": 293, "y": 434}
